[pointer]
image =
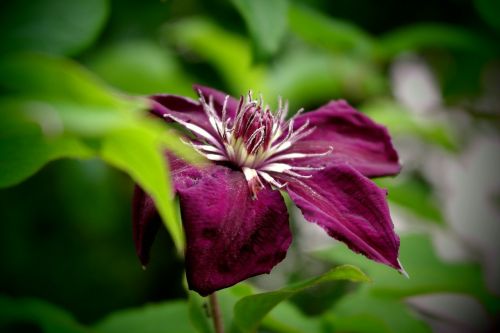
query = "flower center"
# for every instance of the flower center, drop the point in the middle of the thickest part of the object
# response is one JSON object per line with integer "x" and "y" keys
{"x": 253, "y": 139}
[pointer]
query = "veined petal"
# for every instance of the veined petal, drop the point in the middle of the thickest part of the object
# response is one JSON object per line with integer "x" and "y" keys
{"x": 356, "y": 140}
{"x": 351, "y": 209}
{"x": 229, "y": 235}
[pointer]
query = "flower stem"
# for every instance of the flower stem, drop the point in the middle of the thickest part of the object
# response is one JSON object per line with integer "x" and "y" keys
{"x": 215, "y": 313}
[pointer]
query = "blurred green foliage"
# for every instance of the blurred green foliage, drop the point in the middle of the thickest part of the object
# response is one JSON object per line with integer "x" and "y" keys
{"x": 53, "y": 26}
{"x": 73, "y": 76}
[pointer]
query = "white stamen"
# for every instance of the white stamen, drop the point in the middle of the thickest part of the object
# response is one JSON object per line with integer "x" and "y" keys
{"x": 271, "y": 180}
{"x": 295, "y": 174}
{"x": 298, "y": 155}
{"x": 276, "y": 167}
{"x": 214, "y": 157}
{"x": 307, "y": 168}
{"x": 262, "y": 155}
{"x": 196, "y": 129}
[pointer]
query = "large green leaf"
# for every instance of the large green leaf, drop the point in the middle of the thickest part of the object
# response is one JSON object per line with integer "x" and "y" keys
{"x": 267, "y": 22}
{"x": 167, "y": 317}
{"x": 53, "y": 103}
{"x": 54, "y": 26}
{"x": 67, "y": 101}
{"x": 428, "y": 273}
{"x": 39, "y": 313}
{"x": 250, "y": 310}
{"x": 328, "y": 32}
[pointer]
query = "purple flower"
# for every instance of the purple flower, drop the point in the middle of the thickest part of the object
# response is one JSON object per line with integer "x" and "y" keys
{"x": 234, "y": 217}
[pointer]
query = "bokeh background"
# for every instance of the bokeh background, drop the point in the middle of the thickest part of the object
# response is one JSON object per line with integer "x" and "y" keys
{"x": 429, "y": 71}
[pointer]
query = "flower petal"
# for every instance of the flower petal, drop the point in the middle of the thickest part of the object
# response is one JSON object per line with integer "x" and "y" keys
{"x": 229, "y": 235}
{"x": 356, "y": 140}
{"x": 218, "y": 98}
{"x": 351, "y": 208}
{"x": 145, "y": 224}
{"x": 180, "y": 108}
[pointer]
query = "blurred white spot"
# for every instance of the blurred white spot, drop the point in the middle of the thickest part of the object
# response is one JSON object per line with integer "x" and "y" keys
{"x": 452, "y": 313}
{"x": 414, "y": 85}
{"x": 450, "y": 248}
{"x": 472, "y": 191}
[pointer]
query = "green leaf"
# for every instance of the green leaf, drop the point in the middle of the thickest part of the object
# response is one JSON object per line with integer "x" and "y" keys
{"x": 55, "y": 102}
{"x": 433, "y": 36}
{"x": 250, "y": 310}
{"x": 40, "y": 313}
{"x": 141, "y": 67}
{"x": 227, "y": 300}
{"x": 138, "y": 152}
{"x": 401, "y": 122}
{"x": 286, "y": 318}
{"x": 266, "y": 20}
{"x": 355, "y": 323}
{"x": 361, "y": 312}
{"x": 414, "y": 195}
{"x": 428, "y": 273}
{"x": 328, "y": 32}
{"x": 164, "y": 317}
{"x": 199, "y": 313}
{"x": 53, "y": 26}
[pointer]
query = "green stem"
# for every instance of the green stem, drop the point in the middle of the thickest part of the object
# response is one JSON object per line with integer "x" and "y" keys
{"x": 215, "y": 313}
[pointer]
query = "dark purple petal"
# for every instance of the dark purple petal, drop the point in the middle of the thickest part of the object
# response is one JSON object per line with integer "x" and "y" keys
{"x": 218, "y": 99}
{"x": 229, "y": 236}
{"x": 356, "y": 140}
{"x": 145, "y": 219}
{"x": 145, "y": 224}
{"x": 351, "y": 208}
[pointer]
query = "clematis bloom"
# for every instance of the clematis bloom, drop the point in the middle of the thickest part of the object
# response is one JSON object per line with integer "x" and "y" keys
{"x": 234, "y": 217}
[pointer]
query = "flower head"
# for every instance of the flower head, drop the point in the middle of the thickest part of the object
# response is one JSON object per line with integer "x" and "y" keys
{"x": 252, "y": 139}
{"x": 235, "y": 220}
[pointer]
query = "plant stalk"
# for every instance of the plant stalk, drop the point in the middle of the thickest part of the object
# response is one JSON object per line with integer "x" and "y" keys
{"x": 215, "y": 313}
